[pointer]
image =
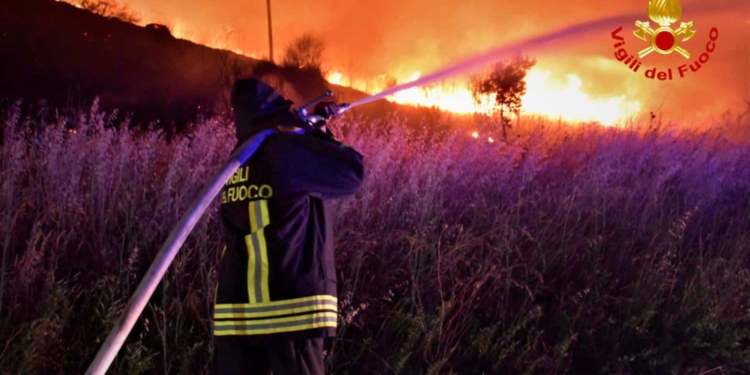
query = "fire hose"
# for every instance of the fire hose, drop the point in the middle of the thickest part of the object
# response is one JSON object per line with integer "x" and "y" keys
{"x": 177, "y": 237}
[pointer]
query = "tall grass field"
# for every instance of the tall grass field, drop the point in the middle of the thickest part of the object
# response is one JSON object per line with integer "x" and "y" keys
{"x": 564, "y": 250}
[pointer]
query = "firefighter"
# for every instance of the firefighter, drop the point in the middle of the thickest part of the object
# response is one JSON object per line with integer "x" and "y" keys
{"x": 276, "y": 296}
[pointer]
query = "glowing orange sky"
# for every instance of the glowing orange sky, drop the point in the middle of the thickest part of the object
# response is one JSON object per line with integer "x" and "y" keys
{"x": 398, "y": 37}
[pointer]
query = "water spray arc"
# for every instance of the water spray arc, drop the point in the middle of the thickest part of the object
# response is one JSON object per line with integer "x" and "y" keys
{"x": 552, "y": 39}
{"x": 177, "y": 237}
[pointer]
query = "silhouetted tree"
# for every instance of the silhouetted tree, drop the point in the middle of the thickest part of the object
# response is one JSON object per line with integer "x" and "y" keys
{"x": 305, "y": 52}
{"x": 505, "y": 80}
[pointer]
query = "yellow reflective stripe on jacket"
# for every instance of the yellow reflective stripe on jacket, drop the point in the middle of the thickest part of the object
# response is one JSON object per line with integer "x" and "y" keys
{"x": 259, "y": 218}
{"x": 216, "y": 291}
{"x": 275, "y": 325}
{"x": 263, "y": 266}
{"x": 322, "y": 297}
{"x": 258, "y": 311}
{"x": 253, "y": 217}
{"x": 257, "y": 253}
{"x": 251, "y": 263}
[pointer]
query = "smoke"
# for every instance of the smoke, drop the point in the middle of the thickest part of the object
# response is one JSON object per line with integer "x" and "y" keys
{"x": 366, "y": 39}
{"x": 374, "y": 37}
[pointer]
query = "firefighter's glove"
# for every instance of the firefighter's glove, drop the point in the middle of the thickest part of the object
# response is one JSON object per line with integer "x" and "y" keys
{"x": 327, "y": 110}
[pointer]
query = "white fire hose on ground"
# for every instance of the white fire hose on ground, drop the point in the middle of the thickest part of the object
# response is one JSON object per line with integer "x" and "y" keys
{"x": 169, "y": 250}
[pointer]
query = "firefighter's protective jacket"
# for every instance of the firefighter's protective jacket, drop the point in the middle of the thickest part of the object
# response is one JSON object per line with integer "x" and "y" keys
{"x": 277, "y": 276}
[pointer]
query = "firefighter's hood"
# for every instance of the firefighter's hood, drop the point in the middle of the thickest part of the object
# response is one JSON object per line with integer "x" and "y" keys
{"x": 257, "y": 106}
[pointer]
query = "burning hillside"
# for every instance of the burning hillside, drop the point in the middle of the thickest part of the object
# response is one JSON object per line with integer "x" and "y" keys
{"x": 544, "y": 96}
{"x": 64, "y": 56}
{"x": 372, "y": 45}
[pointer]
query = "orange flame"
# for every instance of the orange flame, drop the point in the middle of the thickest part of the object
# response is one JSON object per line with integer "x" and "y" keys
{"x": 564, "y": 101}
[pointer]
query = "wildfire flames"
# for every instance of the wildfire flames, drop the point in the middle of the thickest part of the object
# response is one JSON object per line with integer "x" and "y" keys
{"x": 569, "y": 85}
{"x": 567, "y": 101}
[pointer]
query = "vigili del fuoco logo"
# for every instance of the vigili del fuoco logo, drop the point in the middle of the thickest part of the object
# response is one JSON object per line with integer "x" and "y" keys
{"x": 664, "y": 40}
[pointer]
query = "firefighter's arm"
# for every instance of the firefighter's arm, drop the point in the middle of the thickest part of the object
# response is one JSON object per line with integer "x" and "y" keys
{"x": 315, "y": 163}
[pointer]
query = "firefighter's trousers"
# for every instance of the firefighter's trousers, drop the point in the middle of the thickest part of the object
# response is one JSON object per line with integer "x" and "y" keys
{"x": 235, "y": 355}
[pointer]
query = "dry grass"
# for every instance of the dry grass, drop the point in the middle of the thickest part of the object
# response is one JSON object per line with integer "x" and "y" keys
{"x": 573, "y": 250}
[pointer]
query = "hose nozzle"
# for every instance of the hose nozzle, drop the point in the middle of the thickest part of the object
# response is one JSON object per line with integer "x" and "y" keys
{"x": 344, "y": 107}
{"x": 302, "y": 111}
{"x": 317, "y": 120}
